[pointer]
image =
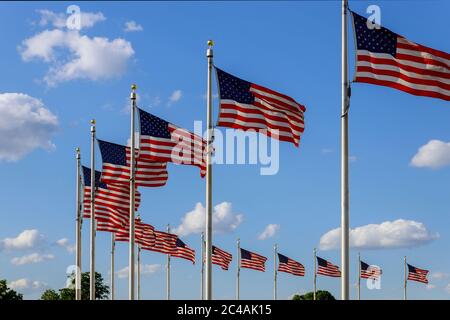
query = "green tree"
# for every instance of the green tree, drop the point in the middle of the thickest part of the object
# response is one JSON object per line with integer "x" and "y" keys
{"x": 320, "y": 295}
{"x": 8, "y": 293}
{"x": 50, "y": 294}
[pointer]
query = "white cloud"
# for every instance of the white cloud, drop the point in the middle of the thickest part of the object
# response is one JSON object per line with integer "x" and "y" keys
{"x": 326, "y": 150}
{"x": 59, "y": 20}
{"x": 64, "y": 243}
{"x": 175, "y": 96}
{"x": 389, "y": 234}
{"x": 132, "y": 26}
{"x": 224, "y": 220}
{"x": 94, "y": 58}
{"x": 25, "y": 124}
{"x": 27, "y": 239}
{"x": 25, "y": 283}
{"x": 439, "y": 275}
{"x": 31, "y": 258}
{"x": 430, "y": 286}
{"x": 435, "y": 154}
{"x": 146, "y": 269}
{"x": 269, "y": 231}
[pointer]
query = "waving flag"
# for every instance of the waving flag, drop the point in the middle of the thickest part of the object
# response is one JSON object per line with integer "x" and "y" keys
{"x": 248, "y": 106}
{"x": 388, "y": 59}
{"x": 164, "y": 243}
{"x": 162, "y": 141}
{"x": 221, "y": 258}
{"x": 144, "y": 233}
{"x": 288, "y": 265}
{"x": 116, "y": 167}
{"x": 112, "y": 202}
{"x": 252, "y": 260}
{"x": 183, "y": 251}
{"x": 326, "y": 268}
{"x": 369, "y": 272}
{"x": 417, "y": 274}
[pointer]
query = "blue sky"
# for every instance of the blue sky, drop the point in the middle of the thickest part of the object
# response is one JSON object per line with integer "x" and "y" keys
{"x": 293, "y": 47}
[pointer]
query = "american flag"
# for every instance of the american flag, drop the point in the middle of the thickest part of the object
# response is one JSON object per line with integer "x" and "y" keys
{"x": 112, "y": 202}
{"x": 369, "y": 271}
{"x": 388, "y": 59}
{"x": 162, "y": 141}
{"x": 183, "y": 251}
{"x": 221, "y": 257}
{"x": 144, "y": 233}
{"x": 326, "y": 268}
{"x": 248, "y": 106}
{"x": 252, "y": 260}
{"x": 288, "y": 265}
{"x": 164, "y": 243}
{"x": 116, "y": 167}
{"x": 417, "y": 274}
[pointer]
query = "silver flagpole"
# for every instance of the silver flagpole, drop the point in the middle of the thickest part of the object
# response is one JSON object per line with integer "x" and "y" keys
{"x": 131, "y": 275}
{"x": 344, "y": 161}
{"x": 92, "y": 266}
{"x": 359, "y": 276}
{"x": 139, "y": 272}
{"x": 275, "y": 247}
{"x": 406, "y": 279}
{"x": 238, "y": 269}
{"x": 315, "y": 274}
{"x": 113, "y": 249}
{"x": 202, "y": 273}
{"x": 168, "y": 271}
{"x": 209, "y": 124}
{"x": 78, "y": 230}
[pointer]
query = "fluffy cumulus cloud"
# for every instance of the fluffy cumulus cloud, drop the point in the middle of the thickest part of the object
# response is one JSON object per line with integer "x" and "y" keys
{"x": 24, "y": 284}
{"x": 25, "y": 124}
{"x": 31, "y": 258}
{"x": 59, "y": 19}
{"x": 132, "y": 26}
{"x": 437, "y": 275}
{"x": 27, "y": 239}
{"x": 64, "y": 243}
{"x": 175, "y": 96}
{"x": 146, "y": 269}
{"x": 92, "y": 58}
{"x": 389, "y": 234}
{"x": 269, "y": 231}
{"x": 435, "y": 154}
{"x": 224, "y": 220}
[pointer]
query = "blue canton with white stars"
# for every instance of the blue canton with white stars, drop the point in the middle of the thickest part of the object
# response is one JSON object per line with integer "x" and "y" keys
{"x": 113, "y": 153}
{"x": 375, "y": 40}
{"x": 233, "y": 88}
{"x": 180, "y": 243}
{"x": 282, "y": 258}
{"x": 87, "y": 178}
{"x": 153, "y": 126}
{"x": 246, "y": 254}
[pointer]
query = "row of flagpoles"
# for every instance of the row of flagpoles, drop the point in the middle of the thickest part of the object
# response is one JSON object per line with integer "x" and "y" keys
{"x": 409, "y": 67}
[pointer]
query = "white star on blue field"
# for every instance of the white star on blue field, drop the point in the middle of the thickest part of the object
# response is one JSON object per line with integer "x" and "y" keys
{"x": 54, "y": 80}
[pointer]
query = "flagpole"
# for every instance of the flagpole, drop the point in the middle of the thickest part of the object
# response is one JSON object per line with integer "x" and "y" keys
{"x": 131, "y": 274}
{"x": 202, "y": 274}
{"x": 113, "y": 249}
{"x": 78, "y": 230}
{"x": 275, "y": 247}
{"x": 209, "y": 124}
{"x": 405, "y": 281}
{"x": 315, "y": 275}
{"x": 168, "y": 271}
{"x": 139, "y": 272}
{"x": 238, "y": 269}
{"x": 92, "y": 262}
{"x": 359, "y": 276}
{"x": 344, "y": 161}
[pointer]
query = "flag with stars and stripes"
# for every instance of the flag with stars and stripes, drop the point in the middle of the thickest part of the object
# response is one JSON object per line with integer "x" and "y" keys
{"x": 248, "y": 106}
{"x": 183, "y": 251}
{"x": 112, "y": 202}
{"x": 252, "y": 260}
{"x": 370, "y": 271}
{"x": 221, "y": 258}
{"x": 162, "y": 141}
{"x": 291, "y": 266}
{"x": 388, "y": 59}
{"x": 417, "y": 274}
{"x": 116, "y": 167}
{"x": 144, "y": 233}
{"x": 326, "y": 268}
{"x": 164, "y": 243}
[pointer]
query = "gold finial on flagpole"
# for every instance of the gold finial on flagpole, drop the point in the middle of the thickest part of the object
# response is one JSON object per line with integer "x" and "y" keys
{"x": 93, "y": 121}
{"x": 133, "y": 87}
{"x": 210, "y": 43}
